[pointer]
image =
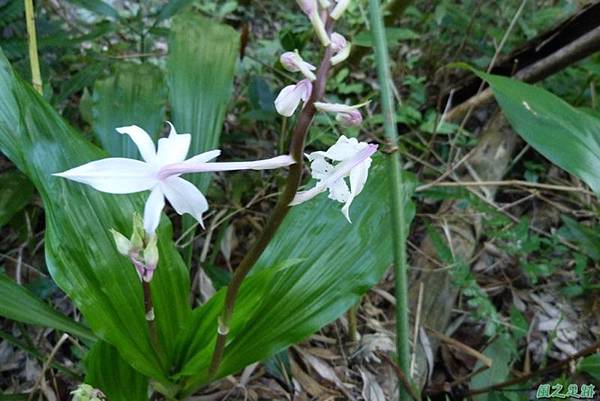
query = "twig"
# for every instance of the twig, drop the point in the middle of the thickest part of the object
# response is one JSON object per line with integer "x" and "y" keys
{"x": 47, "y": 364}
{"x": 511, "y": 183}
{"x": 416, "y": 330}
{"x": 401, "y": 376}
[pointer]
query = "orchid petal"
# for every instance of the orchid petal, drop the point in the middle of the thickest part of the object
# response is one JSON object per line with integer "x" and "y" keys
{"x": 185, "y": 197}
{"x": 153, "y": 209}
{"x": 358, "y": 178}
{"x": 142, "y": 140}
{"x": 289, "y": 98}
{"x": 339, "y": 8}
{"x": 292, "y": 62}
{"x": 174, "y": 148}
{"x": 342, "y": 55}
{"x": 304, "y": 196}
{"x": 343, "y": 149}
{"x": 114, "y": 175}
{"x": 339, "y": 107}
{"x": 319, "y": 26}
{"x": 338, "y": 191}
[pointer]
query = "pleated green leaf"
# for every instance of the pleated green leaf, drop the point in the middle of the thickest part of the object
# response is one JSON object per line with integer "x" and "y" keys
{"x": 20, "y": 304}
{"x": 200, "y": 67}
{"x": 568, "y": 137}
{"x": 133, "y": 94}
{"x": 80, "y": 253}
{"x": 330, "y": 264}
{"x": 107, "y": 371}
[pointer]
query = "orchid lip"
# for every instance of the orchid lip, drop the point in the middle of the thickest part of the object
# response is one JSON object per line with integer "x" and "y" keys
{"x": 341, "y": 170}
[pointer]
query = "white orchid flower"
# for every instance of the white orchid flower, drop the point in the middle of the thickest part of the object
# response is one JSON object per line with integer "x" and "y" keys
{"x": 292, "y": 62}
{"x": 311, "y": 9}
{"x": 160, "y": 173}
{"x": 339, "y": 8}
{"x": 289, "y": 98}
{"x": 347, "y": 115}
{"x": 340, "y": 47}
{"x": 353, "y": 160}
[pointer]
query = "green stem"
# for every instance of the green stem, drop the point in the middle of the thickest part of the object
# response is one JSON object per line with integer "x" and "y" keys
{"x": 149, "y": 311}
{"x": 36, "y": 76}
{"x": 398, "y": 194}
{"x": 281, "y": 209}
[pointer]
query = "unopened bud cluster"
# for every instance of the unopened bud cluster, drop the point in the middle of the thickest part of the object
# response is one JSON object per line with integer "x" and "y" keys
{"x": 85, "y": 392}
{"x": 141, "y": 249}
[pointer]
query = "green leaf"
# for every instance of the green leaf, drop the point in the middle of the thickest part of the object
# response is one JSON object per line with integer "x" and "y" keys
{"x": 107, "y": 371}
{"x": 134, "y": 95}
{"x": 18, "y": 303}
{"x": 568, "y": 137}
{"x": 85, "y": 77}
{"x": 15, "y": 193}
{"x": 200, "y": 67}
{"x": 591, "y": 366}
{"x": 172, "y": 8}
{"x": 330, "y": 264}
{"x": 97, "y": 6}
{"x": 500, "y": 354}
{"x": 80, "y": 253}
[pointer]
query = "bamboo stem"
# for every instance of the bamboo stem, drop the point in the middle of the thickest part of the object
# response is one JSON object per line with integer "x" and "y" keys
{"x": 398, "y": 194}
{"x": 36, "y": 76}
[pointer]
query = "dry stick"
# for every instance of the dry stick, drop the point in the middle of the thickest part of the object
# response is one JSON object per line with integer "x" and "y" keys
{"x": 515, "y": 183}
{"x": 401, "y": 376}
{"x": 36, "y": 76}
{"x": 47, "y": 364}
{"x": 574, "y": 51}
{"x": 281, "y": 209}
{"x": 555, "y": 366}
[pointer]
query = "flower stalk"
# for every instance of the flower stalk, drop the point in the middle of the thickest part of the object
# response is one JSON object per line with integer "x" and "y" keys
{"x": 398, "y": 194}
{"x": 296, "y": 150}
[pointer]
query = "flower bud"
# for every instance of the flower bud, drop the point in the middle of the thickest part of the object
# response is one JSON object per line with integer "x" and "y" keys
{"x": 85, "y": 392}
{"x": 292, "y": 62}
{"x": 352, "y": 119}
{"x": 138, "y": 235}
{"x": 340, "y": 47}
{"x": 122, "y": 242}
{"x": 308, "y": 6}
{"x": 339, "y": 8}
{"x": 312, "y": 11}
{"x": 150, "y": 259}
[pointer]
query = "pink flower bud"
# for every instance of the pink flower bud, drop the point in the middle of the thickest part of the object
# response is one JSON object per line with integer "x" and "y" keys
{"x": 308, "y": 6}
{"x": 338, "y": 42}
{"x": 353, "y": 118}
